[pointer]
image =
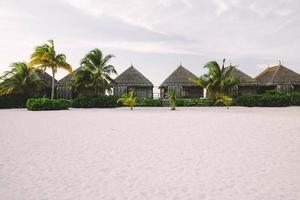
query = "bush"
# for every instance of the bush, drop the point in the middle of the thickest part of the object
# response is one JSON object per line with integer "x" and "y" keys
{"x": 13, "y": 101}
{"x": 150, "y": 102}
{"x": 269, "y": 99}
{"x": 47, "y": 104}
{"x": 96, "y": 102}
{"x": 295, "y": 99}
{"x": 195, "y": 102}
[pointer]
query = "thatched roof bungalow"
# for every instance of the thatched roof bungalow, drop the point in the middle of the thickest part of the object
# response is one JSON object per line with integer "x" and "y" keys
{"x": 133, "y": 80}
{"x": 63, "y": 86}
{"x": 48, "y": 79}
{"x": 279, "y": 78}
{"x": 180, "y": 80}
{"x": 246, "y": 84}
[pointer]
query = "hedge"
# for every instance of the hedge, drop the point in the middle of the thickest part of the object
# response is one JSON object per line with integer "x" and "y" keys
{"x": 96, "y": 102}
{"x": 270, "y": 99}
{"x": 150, "y": 103}
{"x": 47, "y": 104}
{"x": 13, "y": 101}
{"x": 295, "y": 99}
{"x": 194, "y": 102}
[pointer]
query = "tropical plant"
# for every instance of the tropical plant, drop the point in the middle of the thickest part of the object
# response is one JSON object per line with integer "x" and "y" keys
{"x": 217, "y": 81}
{"x": 227, "y": 101}
{"x": 172, "y": 96}
{"x": 45, "y": 57}
{"x": 128, "y": 100}
{"x": 95, "y": 73}
{"x": 21, "y": 79}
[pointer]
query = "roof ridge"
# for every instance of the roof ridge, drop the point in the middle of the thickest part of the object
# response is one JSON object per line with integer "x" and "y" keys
{"x": 276, "y": 72}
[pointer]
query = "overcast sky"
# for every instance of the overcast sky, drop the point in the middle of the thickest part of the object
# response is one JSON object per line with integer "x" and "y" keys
{"x": 156, "y": 35}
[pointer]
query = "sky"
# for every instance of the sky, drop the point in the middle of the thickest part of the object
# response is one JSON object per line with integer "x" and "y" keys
{"x": 156, "y": 36}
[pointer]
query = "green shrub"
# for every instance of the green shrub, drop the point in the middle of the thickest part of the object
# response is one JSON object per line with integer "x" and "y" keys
{"x": 195, "y": 102}
{"x": 150, "y": 102}
{"x": 269, "y": 99}
{"x": 295, "y": 99}
{"x": 48, "y": 104}
{"x": 13, "y": 101}
{"x": 96, "y": 102}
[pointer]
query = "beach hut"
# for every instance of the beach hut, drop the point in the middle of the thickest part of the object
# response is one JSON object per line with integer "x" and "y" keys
{"x": 279, "y": 78}
{"x": 48, "y": 79}
{"x": 246, "y": 84}
{"x": 133, "y": 80}
{"x": 180, "y": 80}
{"x": 63, "y": 86}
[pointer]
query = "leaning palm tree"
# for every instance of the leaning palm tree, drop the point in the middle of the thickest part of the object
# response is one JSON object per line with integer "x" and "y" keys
{"x": 21, "y": 79}
{"x": 45, "y": 57}
{"x": 95, "y": 73}
{"x": 128, "y": 100}
{"x": 217, "y": 81}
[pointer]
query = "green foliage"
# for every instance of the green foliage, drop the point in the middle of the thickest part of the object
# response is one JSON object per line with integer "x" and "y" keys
{"x": 269, "y": 99}
{"x": 295, "y": 98}
{"x": 47, "y": 104}
{"x": 22, "y": 80}
{"x": 172, "y": 96}
{"x": 45, "y": 57}
{"x": 218, "y": 80}
{"x": 227, "y": 101}
{"x": 150, "y": 102}
{"x": 95, "y": 73}
{"x": 194, "y": 102}
{"x": 13, "y": 101}
{"x": 95, "y": 102}
{"x": 128, "y": 100}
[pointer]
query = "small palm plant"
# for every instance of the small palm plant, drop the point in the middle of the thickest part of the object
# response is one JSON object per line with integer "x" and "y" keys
{"x": 128, "y": 100}
{"x": 172, "y": 96}
{"x": 226, "y": 100}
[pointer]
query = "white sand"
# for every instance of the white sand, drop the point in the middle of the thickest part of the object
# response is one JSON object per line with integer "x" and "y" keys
{"x": 152, "y": 153}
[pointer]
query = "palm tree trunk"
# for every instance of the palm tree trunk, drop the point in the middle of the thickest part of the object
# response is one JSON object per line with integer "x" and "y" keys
{"x": 53, "y": 86}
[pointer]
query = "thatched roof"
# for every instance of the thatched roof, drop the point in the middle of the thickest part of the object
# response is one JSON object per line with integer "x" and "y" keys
{"x": 245, "y": 80}
{"x": 45, "y": 76}
{"x": 278, "y": 75}
{"x": 132, "y": 77}
{"x": 67, "y": 79}
{"x": 181, "y": 76}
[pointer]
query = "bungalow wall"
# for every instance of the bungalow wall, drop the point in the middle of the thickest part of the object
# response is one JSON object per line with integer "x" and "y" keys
{"x": 139, "y": 92}
{"x": 184, "y": 92}
{"x": 247, "y": 90}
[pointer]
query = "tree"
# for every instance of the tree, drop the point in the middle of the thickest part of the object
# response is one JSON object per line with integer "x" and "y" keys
{"x": 172, "y": 96}
{"x": 45, "y": 57}
{"x": 217, "y": 81}
{"x": 21, "y": 79}
{"x": 128, "y": 100}
{"x": 227, "y": 101}
{"x": 95, "y": 73}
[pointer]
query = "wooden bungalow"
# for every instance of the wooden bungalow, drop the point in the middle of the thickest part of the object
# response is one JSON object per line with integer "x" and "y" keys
{"x": 63, "y": 86}
{"x": 246, "y": 84}
{"x": 48, "y": 79}
{"x": 279, "y": 78}
{"x": 132, "y": 80}
{"x": 180, "y": 80}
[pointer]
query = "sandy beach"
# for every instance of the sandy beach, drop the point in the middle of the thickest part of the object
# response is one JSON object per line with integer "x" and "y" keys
{"x": 151, "y": 153}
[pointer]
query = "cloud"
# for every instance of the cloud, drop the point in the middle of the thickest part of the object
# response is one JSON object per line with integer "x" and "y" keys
{"x": 156, "y": 33}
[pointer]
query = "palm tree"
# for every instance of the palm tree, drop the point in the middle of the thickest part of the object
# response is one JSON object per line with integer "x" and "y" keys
{"x": 95, "y": 73}
{"x": 227, "y": 101}
{"x": 45, "y": 57}
{"x": 128, "y": 100}
{"x": 172, "y": 96}
{"x": 21, "y": 79}
{"x": 217, "y": 81}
